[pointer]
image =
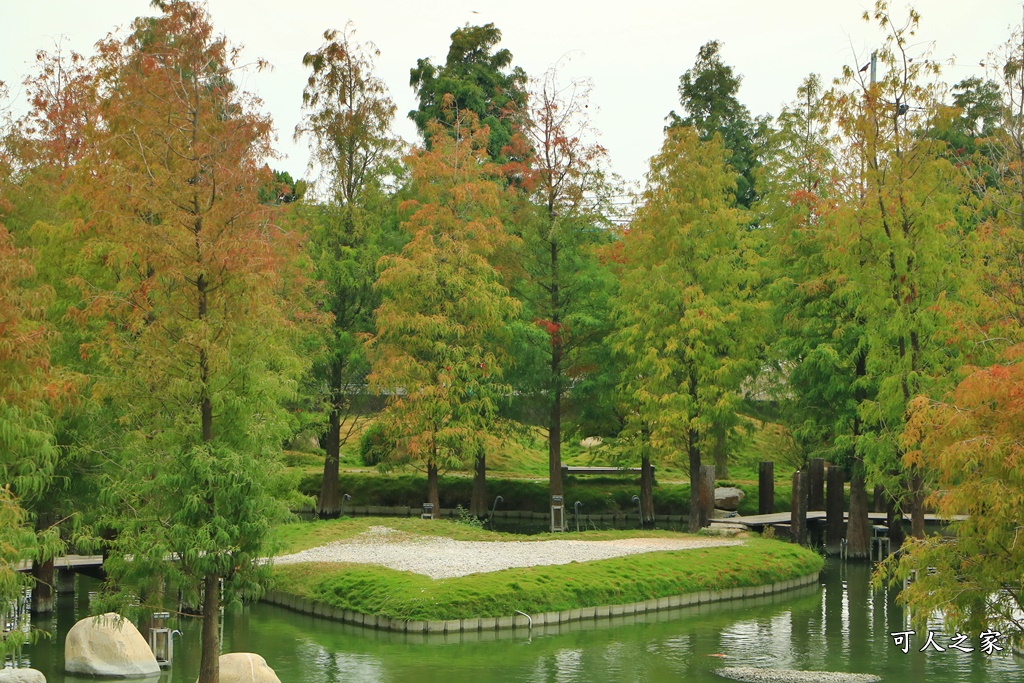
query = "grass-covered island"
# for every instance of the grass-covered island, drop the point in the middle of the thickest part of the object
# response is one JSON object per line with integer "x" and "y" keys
{"x": 377, "y": 590}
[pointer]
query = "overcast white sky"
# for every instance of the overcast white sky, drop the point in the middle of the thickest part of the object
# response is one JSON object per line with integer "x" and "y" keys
{"x": 634, "y": 51}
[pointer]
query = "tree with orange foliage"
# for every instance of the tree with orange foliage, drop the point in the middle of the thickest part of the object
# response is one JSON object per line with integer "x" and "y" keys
{"x": 444, "y": 312}
{"x": 28, "y": 391}
{"x": 201, "y": 317}
{"x": 973, "y": 443}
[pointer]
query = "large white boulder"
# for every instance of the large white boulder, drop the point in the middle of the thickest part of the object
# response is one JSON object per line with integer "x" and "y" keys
{"x": 21, "y": 676}
{"x": 245, "y": 667}
{"x": 108, "y": 645}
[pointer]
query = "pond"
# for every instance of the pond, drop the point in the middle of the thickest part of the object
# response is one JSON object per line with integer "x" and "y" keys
{"x": 842, "y": 625}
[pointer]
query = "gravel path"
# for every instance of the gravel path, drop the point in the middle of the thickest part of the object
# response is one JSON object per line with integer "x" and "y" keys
{"x": 443, "y": 558}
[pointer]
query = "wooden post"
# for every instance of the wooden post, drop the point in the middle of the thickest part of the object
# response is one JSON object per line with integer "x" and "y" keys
{"x": 766, "y": 488}
{"x": 42, "y": 589}
{"x": 706, "y": 484}
{"x": 65, "y": 581}
{"x": 798, "y": 514}
{"x": 834, "y": 524}
{"x": 816, "y": 475}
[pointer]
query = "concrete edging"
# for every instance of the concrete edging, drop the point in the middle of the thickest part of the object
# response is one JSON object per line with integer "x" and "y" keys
{"x": 306, "y": 606}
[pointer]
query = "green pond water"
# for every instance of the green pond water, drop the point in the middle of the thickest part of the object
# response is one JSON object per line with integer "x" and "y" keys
{"x": 840, "y": 625}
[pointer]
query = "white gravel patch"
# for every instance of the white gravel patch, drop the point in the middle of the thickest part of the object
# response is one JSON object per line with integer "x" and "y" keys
{"x": 443, "y": 558}
{"x": 754, "y": 675}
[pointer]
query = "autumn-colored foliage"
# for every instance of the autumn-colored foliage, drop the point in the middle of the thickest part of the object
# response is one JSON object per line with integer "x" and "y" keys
{"x": 438, "y": 352}
{"x": 973, "y": 444}
{"x": 199, "y": 342}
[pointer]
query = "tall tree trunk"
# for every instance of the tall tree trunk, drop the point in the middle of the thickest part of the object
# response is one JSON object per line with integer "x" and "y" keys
{"x": 209, "y": 663}
{"x": 646, "y": 493}
{"x": 555, "y": 417}
{"x": 916, "y": 504}
{"x": 433, "y": 496}
{"x": 478, "y": 501}
{"x": 706, "y": 495}
{"x": 694, "y": 453}
{"x": 329, "y": 504}
{"x": 555, "y": 446}
{"x": 858, "y": 528}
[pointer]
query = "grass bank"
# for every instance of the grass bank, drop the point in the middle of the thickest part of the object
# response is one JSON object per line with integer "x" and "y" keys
{"x": 405, "y": 595}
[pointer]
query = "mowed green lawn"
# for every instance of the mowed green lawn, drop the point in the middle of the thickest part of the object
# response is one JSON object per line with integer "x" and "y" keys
{"x": 372, "y": 589}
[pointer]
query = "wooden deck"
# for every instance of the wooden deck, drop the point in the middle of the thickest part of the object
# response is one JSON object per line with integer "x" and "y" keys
{"x": 68, "y": 562}
{"x": 784, "y": 518}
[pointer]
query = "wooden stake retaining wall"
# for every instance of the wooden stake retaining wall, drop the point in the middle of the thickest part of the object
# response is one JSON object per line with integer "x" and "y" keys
{"x": 484, "y": 624}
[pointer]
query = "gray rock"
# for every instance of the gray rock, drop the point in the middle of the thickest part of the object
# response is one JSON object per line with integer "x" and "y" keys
{"x": 108, "y": 645}
{"x": 305, "y": 442}
{"x": 245, "y": 667}
{"x": 728, "y": 497}
{"x": 21, "y": 676}
{"x": 755, "y": 675}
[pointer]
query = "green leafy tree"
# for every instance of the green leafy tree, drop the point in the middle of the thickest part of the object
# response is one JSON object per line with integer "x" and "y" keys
{"x": 439, "y": 351}
{"x": 969, "y": 438}
{"x": 819, "y": 346}
{"x": 36, "y": 154}
{"x": 29, "y": 389}
{"x": 475, "y": 77}
{"x": 901, "y": 247}
{"x": 201, "y": 321}
{"x": 708, "y": 95}
{"x": 684, "y": 313}
{"x": 348, "y": 116}
{"x": 564, "y": 286}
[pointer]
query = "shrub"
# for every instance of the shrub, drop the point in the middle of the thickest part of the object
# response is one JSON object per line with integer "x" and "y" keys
{"x": 374, "y": 444}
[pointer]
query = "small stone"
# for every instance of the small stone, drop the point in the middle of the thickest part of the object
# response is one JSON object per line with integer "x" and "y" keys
{"x": 728, "y": 497}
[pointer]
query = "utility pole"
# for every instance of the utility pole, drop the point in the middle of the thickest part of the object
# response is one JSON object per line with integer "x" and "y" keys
{"x": 874, "y": 65}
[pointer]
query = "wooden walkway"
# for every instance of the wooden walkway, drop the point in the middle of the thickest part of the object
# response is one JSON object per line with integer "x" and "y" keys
{"x": 784, "y": 518}
{"x": 68, "y": 562}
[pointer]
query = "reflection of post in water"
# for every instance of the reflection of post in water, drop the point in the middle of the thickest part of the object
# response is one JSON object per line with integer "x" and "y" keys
{"x": 236, "y": 631}
{"x": 805, "y": 624}
{"x": 858, "y": 594}
{"x": 833, "y": 600}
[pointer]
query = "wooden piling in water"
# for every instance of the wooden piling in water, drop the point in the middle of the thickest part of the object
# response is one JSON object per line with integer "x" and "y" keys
{"x": 766, "y": 488}
{"x": 798, "y": 514}
{"x": 816, "y": 483}
{"x": 879, "y": 504}
{"x": 835, "y": 526}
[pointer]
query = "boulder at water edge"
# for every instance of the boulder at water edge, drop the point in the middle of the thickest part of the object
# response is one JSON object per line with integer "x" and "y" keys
{"x": 728, "y": 497}
{"x": 21, "y": 676}
{"x": 108, "y": 645}
{"x": 245, "y": 667}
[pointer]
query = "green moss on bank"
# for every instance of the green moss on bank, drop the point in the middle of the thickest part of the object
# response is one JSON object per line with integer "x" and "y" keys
{"x": 405, "y": 595}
